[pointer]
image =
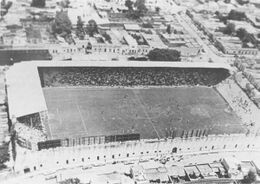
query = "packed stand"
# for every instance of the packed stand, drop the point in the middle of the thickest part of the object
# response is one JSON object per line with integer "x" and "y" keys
{"x": 29, "y": 134}
{"x": 32, "y": 120}
{"x": 127, "y": 76}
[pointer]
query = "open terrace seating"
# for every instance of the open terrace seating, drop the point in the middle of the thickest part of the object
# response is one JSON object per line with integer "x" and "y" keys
{"x": 122, "y": 76}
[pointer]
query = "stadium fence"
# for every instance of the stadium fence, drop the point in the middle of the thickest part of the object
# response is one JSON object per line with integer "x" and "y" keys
{"x": 89, "y": 140}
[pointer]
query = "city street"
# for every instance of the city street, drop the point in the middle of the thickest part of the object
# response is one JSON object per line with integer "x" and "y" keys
{"x": 187, "y": 23}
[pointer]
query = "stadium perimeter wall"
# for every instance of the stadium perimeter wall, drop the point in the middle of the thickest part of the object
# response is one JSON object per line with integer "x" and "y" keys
{"x": 63, "y": 157}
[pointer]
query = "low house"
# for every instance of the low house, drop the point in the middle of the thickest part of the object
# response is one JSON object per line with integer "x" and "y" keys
{"x": 192, "y": 172}
{"x": 233, "y": 167}
{"x": 159, "y": 175}
{"x": 218, "y": 168}
{"x": 206, "y": 171}
{"x": 177, "y": 174}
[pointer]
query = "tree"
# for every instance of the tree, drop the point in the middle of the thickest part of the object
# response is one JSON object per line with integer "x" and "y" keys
{"x": 140, "y": 7}
{"x": 65, "y": 3}
{"x": 250, "y": 177}
{"x": 80, "y": 28}
{"x": 129, "y": 5}
{"x": 107, "y": 37}
{"x": 8, "y": 5}
{"x": 164, "y": 55}
{"x": 5, "y": 7}
{"x": 92, "y": 27}
{"x": 248, "y": 88}
{"x": 157, "y": 9}
{"x": 241, "y": 33}
{"x": 236, "y": 15}
{"x": 245, "y": 37}
{"x": 139, "y": 11}
{"x": 221, "y": 17}
{"x": 80, "y": 24}
{"x": 168, "y": 29}
{"x": 62, "y": 24}
{"x": 230, "y": 29}
{"x": 38, "y": 3}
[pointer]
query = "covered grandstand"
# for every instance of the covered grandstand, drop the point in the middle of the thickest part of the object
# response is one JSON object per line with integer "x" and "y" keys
{"x": 24, "y": 78}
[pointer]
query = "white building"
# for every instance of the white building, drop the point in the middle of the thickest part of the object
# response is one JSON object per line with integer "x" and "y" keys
{"x": 233, "y": 45}
{"x": 14, "y": 39}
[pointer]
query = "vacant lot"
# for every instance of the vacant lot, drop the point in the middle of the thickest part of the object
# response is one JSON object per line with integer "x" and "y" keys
{"x": 152, "y": 112}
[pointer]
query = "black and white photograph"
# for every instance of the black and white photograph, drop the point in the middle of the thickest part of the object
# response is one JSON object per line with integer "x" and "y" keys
{"x": 129, "y": 91}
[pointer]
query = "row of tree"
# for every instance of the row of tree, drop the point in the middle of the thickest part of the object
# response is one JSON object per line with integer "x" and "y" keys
{"x": 164, "y": 55}
{"x": 81, "y": 29}
{"x": 241, "y": 33}
{"x": 38, "y": 3}
{"x": 249, "y": 77}
{"x": 246, "y": 37}
{"x": 62, "y": 26}
{"x": 232, "y": 15}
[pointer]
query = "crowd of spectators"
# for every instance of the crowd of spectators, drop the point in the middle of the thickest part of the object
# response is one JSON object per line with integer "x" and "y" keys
{"x": 129, "y": 76}
{"x": 32, "y": 120}
{"x": 29, "y": 134}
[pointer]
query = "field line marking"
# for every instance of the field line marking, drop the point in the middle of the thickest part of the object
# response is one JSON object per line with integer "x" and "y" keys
{"x": 148, "y": 117}
{"x": 49, "y": 126}
{"x": 81, "y": 117}
{"x": 58, "y": 113}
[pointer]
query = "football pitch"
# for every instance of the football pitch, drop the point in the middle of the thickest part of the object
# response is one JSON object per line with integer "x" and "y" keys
{"x": 153, "y": 112}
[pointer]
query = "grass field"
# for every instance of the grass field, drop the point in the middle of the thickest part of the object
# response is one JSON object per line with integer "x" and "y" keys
{"x": 152, "y": 112}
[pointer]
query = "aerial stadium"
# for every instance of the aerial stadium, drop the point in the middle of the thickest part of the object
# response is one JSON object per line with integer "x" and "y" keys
{"x": 85, "y": 104}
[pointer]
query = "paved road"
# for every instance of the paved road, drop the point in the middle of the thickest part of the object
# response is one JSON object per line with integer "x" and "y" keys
{"x": 193, "y": 31}
{"x": 209, "y": 53}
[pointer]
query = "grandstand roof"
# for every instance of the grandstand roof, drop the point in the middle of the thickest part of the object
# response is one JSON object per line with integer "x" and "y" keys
{"x": 83, "y": 63}
{"x": 25, "y": 95}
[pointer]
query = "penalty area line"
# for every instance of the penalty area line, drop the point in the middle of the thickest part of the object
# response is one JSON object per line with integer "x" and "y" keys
{"x": 81, "y": 117}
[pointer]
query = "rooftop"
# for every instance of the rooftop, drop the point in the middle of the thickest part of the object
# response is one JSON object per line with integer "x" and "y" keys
{"x": 176, "y": 171}
{"x": 156, "y": 173}
{"x": 132, "y": 27}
